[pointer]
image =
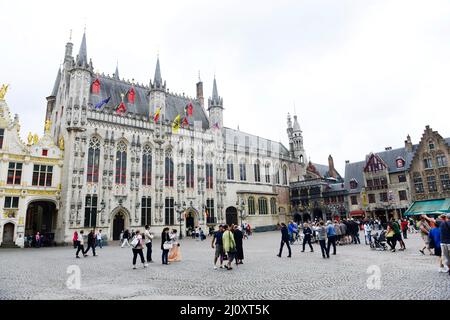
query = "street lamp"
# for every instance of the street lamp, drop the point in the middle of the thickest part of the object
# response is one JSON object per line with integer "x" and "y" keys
{"x": 241, "y": 207}
{"x": 102, "y": 206}
{"x": 180, "y": 209}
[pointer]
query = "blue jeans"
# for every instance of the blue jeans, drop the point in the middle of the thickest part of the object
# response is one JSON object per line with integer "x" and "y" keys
{"x": 99, "y": 243}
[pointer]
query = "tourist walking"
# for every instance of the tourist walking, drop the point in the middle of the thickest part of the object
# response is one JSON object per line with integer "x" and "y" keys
{"x": 307, "y": 234}
{"x": 404, "y": 227}
{"x": 137, "y": 246}
{"x": 238, "y": 238}
{"x": 284, "y": 240}
{"x": 217, "y": 244}
{"x": 367, "y": 233}
{"x": 344, "y": 233}
{"x": 80, "y": 245}
{"x": 331, "y": 235}
{"x": 75, "y": 240}
{"x": 424, "y": 227}
{"x": 148, "y": 237}
{"x": 398, "y": 235}
{"x": 166, "y": 245}
{"x": 99, "y": 239}
{"x": 444, "y": 229}
{"x": 174, "y": 252}
{"x": 125, "y": 237}
{"x": 322, "y": 235}
{"x": 91, "y": 243}
{"x": 435, "y": 243}
{"x": 229, "y": 246}
{"x": 337, "y": 229}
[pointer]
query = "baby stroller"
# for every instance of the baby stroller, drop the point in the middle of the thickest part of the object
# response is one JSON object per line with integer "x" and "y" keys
{"x": 379, "y": 241}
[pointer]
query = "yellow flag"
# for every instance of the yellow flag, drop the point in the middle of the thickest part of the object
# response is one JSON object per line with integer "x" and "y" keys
{"x": 176, "y": 124}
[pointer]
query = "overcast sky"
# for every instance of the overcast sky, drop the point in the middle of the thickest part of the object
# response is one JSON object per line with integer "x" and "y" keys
{"x": 362, "y": 74}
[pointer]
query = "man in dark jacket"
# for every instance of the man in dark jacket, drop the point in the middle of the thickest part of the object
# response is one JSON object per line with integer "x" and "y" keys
{"x": 444, "y": 228}
{"x": 284, "y": 240}
{"x": 91, "y": 242}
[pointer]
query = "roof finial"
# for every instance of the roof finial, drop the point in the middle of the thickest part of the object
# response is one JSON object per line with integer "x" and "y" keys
{"x": 199, "y": 79}
{"x": 70, "y": 35}
{"x": 295, "y": 111}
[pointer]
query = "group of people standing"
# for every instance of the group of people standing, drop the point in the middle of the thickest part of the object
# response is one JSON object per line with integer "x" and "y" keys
{"x": 228, "y": 245}
{"x": 94, "y": 239}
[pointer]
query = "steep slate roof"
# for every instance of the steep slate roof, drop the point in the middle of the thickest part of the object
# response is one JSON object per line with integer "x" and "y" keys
{"x": 323, "y": 171}
{"x": 175, "y": 105}
{"x": 255, "y": 142}
{"x": 56, "y": 85}
{"x": 354, "y": 170}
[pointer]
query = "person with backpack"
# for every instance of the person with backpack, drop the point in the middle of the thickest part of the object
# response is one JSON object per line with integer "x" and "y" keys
{"x": 137, "y": 245}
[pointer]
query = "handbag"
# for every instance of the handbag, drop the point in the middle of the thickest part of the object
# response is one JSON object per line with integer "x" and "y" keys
{"x": 167, "y": 245}
{"x": 135, "y": 242}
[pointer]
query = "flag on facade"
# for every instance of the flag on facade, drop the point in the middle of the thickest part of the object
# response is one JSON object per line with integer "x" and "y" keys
{"x": 189, "y": 109}
{"x": 131, "y": 94}
{"x": 156, "y": 116}
{"x": 102, "y": 103}
{"x": 185, "y": 122}
{"x": 176, "y": 124}
{"x": 122, "y": 108}
{"x": 216, "y": 125}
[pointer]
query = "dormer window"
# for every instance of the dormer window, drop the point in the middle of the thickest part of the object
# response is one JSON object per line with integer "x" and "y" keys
{"x": 400, "y": 162}
{"x": 353, "y": 184}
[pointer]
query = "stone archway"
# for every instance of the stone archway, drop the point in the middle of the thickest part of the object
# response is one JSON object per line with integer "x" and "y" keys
{"x": 191, "y": 219}
{"x": 41, "y": 217}
{"x": 120, "y": 221}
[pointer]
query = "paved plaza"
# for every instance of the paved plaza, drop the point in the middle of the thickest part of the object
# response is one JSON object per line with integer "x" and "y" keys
{"x": 42, "y": 274}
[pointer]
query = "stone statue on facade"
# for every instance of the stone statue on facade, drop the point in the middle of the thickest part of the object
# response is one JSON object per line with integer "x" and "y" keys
{"x": 3, "y": 91}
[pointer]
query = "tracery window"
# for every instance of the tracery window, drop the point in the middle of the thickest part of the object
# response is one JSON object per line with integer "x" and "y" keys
{"x": 147, "y": 166}
{"x": 93, "y": 160}
{"x": 121, "y": 163}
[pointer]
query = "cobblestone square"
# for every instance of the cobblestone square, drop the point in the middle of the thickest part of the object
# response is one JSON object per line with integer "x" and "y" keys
{"x": 42, "y": 273}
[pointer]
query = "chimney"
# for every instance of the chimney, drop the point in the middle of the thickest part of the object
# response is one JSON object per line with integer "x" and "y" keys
{"x": 388, "y": 148}
{"x": 347, "y": 161}
{"x": 200, "y": 93}
{"x": 331, "y": 170}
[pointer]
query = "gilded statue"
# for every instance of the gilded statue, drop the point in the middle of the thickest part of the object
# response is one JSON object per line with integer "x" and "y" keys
{"x": 3, "y": 91}
{"x": 30, "y": 138}
{"x": 35, "y": 138}
{"x": 61, "y": 143}
{"x": 48, "y": 124}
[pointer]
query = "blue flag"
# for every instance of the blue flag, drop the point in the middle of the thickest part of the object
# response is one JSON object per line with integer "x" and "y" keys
{"x": 102, "y": 103}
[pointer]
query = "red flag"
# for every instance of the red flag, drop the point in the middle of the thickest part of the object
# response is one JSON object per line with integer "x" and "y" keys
{"x": 190, "y": 109}
{"x": 121, "y": 108}
{"x": 156, "y": 116}
{"x": 185, "y": 122}
{"x": 96, "y": 86}
{"x": 131, "y": 95}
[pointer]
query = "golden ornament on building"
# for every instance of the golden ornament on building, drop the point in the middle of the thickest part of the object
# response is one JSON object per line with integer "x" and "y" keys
{"x": 35, "y": 138}
{"x": 48, "y": 124}
{"x": 3, "y": 91}
{"x": 61, "y": 143}
{"x": 30, "y": 138}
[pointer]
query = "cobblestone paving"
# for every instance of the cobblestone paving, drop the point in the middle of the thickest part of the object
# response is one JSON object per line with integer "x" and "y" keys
{"x": 42, "y": 274}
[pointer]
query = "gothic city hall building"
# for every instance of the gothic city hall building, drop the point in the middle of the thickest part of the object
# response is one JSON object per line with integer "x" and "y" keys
{"x": 119, "y": 155}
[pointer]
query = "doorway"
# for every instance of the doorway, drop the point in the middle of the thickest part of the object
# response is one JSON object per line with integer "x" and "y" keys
{"x": 118, "y": 225}
{"x": 8, "y": 233}
{"x": 231, "y": 216}
{"x": 41, "y": 217}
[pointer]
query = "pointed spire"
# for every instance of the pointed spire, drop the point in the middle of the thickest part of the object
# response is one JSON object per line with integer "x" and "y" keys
{"x": 215, "y": 95}
{"x": 158, "y": 80}
{"x": 82, "y": 55}
{"x": 296, "y": 124}
{"x": 116, "y": 73}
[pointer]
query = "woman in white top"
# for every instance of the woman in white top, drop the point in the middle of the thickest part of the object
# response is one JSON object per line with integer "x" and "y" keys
{"x": 138, "y": 245}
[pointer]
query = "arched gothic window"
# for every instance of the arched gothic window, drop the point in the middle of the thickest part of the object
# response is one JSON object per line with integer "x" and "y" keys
{"x": 147, "y": 166}
{"x": 285, "y": 179}
{"x": 93, "y": 160}
{"x": 273, "y": 206}
{"x": 267, "y": 172}
{"x": 262, "y": 203}
{"x": 251, "y": 205}
{"x": 168, "y": 172}
{"x": 121, "y": 163}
